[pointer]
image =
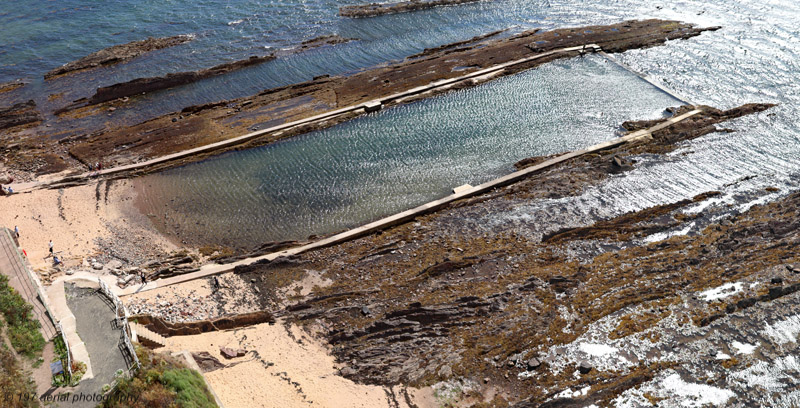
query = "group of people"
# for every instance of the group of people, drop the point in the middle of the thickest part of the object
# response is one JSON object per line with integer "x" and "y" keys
{"x": 95, "y": 167}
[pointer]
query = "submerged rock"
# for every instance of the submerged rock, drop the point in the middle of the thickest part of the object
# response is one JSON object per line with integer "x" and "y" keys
{"x": 378, "y": 9}
{"x": 116, "y": 54}
{"x": 144, "y": 85}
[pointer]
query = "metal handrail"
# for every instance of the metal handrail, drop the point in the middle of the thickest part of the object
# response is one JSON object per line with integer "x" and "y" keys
{"x": 121, "y": 314}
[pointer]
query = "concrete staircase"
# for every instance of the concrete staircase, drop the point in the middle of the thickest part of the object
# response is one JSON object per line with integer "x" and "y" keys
{"x": 146, "y": 336}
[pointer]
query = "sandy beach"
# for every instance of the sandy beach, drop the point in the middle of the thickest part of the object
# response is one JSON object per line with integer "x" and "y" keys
{"x": 84, "y": 223}
{"x": 284, "y": 367}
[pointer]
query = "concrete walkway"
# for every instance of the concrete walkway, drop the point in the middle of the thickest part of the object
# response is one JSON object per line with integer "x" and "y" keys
{"x": 95, "y": 319}
{"x": 368, "y": 106}
{"x": 69, "y": 325}
{"x": 215, "y": 269}
{"x": 13, "y": 265}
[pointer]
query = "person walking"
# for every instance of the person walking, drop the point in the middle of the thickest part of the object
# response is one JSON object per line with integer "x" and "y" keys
{"x": 51, "y": 246}
{"x": 216, "y": 285}
{"x": 16, "y": 231}
{"x": 144, "y": 277}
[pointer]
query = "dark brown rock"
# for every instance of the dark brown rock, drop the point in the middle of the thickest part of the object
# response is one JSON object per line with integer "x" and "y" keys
{"x": 378, "y": 9}
{"x": 207, "y": 362}
{"x": 230, "y": 353}
{"x": 167, "y": 329}
{"x": 144, "y": 85}
{"x": 116, "y": 54}
{"x": 19, "y": 114}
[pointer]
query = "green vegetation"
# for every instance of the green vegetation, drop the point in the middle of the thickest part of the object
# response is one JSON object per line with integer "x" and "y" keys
{"x": 161, "y": 381}
{"x": 23, "y": 328}
{"x": 190, "y": 386}
{"x": 17, "y": 389}
{"x": 78, "y": 367}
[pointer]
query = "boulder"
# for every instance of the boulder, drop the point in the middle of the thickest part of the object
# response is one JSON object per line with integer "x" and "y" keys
{"x": 231, "y": 353}
{"x": 533, "y": 364}
{"x": 97, "y": 266}
{"x": 207, "y": 362}
{"x": 445, "y": 372}
{"x": 124, "y": 281}
{"x": 347, "y": 372}
{"x": 114, "y": 264}
{"x": 584, "y": 367}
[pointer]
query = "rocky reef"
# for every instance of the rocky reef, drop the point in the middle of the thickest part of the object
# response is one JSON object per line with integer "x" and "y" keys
{"x": 378, "y": 9}
{"x": 19, "y": 114}
{"x": 116, "y": 54}
{"x": 151, "y": 84}
{"x": 535, "y": 313}
{"x": 200, "y": 125}
{"x": 145, "y": 85}
{"x": 11, "y": 86}
{"x": 324, "y": 40}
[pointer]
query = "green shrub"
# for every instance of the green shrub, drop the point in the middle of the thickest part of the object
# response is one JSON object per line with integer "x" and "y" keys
{"x": 189, "y": 386}
{"x": 23, "y": 328}
{"x": 161, "y": 381}
{"x": 27, "y": 339}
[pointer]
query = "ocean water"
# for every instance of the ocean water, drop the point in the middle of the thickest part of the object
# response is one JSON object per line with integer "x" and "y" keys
{"x": 753, "y": 58}
{"x": 398, "y": 158}
{"x": 38, "y": 36}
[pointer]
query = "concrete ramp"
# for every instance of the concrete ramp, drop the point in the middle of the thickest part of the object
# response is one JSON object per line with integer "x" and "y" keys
{"x": 21, "y": 278}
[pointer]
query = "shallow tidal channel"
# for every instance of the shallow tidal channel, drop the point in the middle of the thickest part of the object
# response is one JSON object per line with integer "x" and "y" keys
{"x": 383, "y": 163}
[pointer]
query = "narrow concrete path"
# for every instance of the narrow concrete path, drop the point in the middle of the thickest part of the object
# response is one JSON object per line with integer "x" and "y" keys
{"x": 215, "y": 269}
{"x": 368, "y": 106}
{"x": 13, "y": 265}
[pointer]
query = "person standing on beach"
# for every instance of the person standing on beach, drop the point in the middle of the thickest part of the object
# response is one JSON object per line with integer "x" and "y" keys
{"x": 51, "y": 246}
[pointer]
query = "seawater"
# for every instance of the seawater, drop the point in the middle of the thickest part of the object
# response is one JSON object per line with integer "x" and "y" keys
{"x": 754, "y": 57}
{"x": 377, "y": 165}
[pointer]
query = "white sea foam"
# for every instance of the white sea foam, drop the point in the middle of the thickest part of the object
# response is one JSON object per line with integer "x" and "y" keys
{"x": 597, "y": 350}
{"x": 721, "y": 292}
{"x": 784, "y": 331}
{"x": 743, "y": 348}
{"x": 693, "y": 394}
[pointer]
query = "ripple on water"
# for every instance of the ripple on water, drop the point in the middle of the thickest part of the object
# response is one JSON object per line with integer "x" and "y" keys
{"x": 404, "y": 156}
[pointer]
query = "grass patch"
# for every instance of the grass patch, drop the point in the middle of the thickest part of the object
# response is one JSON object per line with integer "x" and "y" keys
{"x": 23, "y": 328}
{"x": 161, "y": 381}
